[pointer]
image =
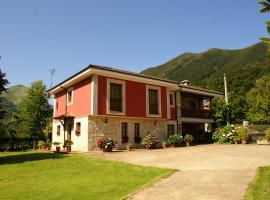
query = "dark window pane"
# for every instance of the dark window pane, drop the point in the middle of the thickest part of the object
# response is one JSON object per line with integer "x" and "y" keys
{"x": 171, "y": 129}
{"x": 124, "y": 132}
{"x": 153, "y": 101}
{"x": 116, "y": 97}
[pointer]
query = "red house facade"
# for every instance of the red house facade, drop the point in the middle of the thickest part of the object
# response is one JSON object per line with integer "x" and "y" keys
{"x": 101, "y": 101}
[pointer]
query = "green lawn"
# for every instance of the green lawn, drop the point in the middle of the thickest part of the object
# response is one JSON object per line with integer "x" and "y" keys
{"x": 259, "y": 188}
{"x": 35, "y": 175}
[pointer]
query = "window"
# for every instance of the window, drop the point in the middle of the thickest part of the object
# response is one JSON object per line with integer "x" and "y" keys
{"x": 124, "y": 132}
{"x": 153, "y": 102}
{"x": 137, "y": 138}
{"x": 171, "y": 99}
{"x": 205, "y": 104}
{"x": 69, "y": 96}
{"x": 116, "y": 97}
{"x": 171, "y": 129}
{"x": 78, "y": 128}
{"x": 58, "y": 130}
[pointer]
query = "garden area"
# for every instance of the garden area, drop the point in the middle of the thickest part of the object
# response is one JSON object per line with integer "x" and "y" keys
{"x": 39, "y": 175}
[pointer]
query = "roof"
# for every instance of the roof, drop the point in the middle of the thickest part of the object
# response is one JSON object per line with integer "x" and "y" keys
{"x": 139, "y": 75}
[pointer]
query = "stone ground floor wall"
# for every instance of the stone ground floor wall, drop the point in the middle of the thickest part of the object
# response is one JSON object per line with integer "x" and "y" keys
{"x": 80, "y": 142}
{"x": 110, "y": 126}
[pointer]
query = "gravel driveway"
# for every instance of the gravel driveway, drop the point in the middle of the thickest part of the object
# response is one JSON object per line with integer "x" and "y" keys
{"x": 212, "y": 172}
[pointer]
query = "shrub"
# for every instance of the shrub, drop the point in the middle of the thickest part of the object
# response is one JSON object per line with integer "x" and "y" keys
{"x": 56, "y": 143}
{"x": 41, "y": 144}
{"x": 242, "y": 132}
{"x": 175, "y": 139}
{"x": 150, "y": 141}
{"x": 105, "y": 143}
{"x": 188, "y": 138}
{"x": 267, "y": 134}
{"x": 224, "y": 135}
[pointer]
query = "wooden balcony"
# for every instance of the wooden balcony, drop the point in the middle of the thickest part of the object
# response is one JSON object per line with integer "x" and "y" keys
{"x": 196, "y": 113}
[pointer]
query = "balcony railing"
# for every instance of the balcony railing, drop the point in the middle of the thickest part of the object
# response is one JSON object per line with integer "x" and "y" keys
{"x": 196, "y": 113}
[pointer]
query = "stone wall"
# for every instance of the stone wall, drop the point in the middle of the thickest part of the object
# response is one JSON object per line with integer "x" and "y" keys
{"x": 110, "y": 126}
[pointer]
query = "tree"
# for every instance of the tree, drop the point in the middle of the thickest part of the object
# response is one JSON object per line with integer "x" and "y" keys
{"x": 219, "y": 110}
{"x": 259, "y": 101}
{"x": 34, "y": 111}
{"x": 266, "y": 8}
{"x": 3, "y": 83}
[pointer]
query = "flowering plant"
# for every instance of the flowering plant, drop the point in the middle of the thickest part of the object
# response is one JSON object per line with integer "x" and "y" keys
{"x": 175, "y": 139}
{"x": 242, "y": 132}
{"x": 105, "y": 143}
{"x": 267, "y": 134}
{"x": 188, "y": 138}
{"x": 225, "y": 135}
{"x": 150, "y": 141}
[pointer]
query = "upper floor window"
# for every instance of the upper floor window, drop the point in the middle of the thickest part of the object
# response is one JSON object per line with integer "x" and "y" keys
{"x": 171, "y": 99}
{"x": 153, "y": 101}
{"x": 69, "y": 96}
{"x": 205, "y": 104}
{"x": 115, "y": 97}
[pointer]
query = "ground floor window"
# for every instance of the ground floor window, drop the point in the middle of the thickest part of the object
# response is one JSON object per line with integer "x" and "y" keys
{"x": 170, "y": 129}
{"x": 124, "y": 132}
{"x": 58, "y": 130}
{"x": 78, "y": 128}
{"x": 137, "y": 138}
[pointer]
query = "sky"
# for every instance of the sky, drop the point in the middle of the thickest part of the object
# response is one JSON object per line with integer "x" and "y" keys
{"x": 127, "y": 34}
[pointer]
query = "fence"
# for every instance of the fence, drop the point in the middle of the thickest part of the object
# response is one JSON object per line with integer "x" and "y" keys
{"x": 12, "y": 144}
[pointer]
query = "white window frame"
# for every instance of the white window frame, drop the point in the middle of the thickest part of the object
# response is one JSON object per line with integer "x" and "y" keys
{"x": 123, "y": 83}
{"x": 148, "y": 87}
{"x": 72, "y": 94}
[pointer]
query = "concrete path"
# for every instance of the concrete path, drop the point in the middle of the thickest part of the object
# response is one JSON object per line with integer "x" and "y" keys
{"x": 206, "y": 172}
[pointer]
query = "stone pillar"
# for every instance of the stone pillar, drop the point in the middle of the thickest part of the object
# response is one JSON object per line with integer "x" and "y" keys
{"x": 178, "y": 112}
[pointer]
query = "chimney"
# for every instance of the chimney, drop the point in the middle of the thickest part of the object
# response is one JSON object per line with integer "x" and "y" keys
{"x": 185, "y": 82}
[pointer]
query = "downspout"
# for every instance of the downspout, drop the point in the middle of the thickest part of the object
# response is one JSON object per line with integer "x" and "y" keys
{"x": 179, "y": 115}
{"x": 64, "y": 126}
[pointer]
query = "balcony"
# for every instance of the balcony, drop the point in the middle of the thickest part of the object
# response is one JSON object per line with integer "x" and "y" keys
{"x": 196, "y": 113}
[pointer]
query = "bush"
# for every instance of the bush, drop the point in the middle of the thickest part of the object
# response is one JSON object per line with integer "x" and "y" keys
{"x": 267, "y": 134}
{"x": 105, "y": 143}
{"x": 224, "y": 135}
{"x": 242, "y": 132}
{"x": 188, "y": 138}
{"x": 175, "y": 139}
{"x": 150, "y": 141}
{"x": 56, "y": 143}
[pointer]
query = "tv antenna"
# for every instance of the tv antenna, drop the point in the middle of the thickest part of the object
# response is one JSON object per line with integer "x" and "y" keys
{"x": 51, "y": 72}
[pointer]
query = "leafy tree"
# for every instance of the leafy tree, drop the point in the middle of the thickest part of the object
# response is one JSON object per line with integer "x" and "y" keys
{"x": 266, "y": 8}
{"x": 34, "y": 111}
{"x": 258, "y": 99}
{"x": 3, "y": 83}
{"x": 219, "y": 110}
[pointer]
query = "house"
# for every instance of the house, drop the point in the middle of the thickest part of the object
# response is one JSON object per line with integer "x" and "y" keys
{"x": 101, "y": 101}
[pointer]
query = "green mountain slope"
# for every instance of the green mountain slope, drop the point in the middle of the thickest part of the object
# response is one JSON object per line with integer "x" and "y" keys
{"x": 15, "y": 93}
{"x": 242, "y": 67}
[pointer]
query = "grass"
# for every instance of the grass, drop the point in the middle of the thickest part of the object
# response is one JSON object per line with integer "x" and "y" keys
{"x": 259, "y": 188}
{"x": 35, "y": 175}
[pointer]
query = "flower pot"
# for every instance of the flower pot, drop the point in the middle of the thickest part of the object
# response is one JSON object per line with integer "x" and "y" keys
{"x": 164, "y": 146}
{"x": 108, "y": 149}
{"x": 172, "y": 145}
{"x": 244, "y": 141}
{"x": 49, "y": 148}
{"x": 57, "y": 149}
{"x": 68, "y": 148}
{"x": 187, "y": 144}
{"x": 129, "y": 148}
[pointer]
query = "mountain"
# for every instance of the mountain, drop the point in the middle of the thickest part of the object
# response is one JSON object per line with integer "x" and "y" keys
{"x": 203, "y": 68}
{"x": 242, "y": 67}
{"x": 11, "y": 99}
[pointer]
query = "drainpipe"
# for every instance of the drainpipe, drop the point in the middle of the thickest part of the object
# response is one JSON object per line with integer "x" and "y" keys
{"x": 178, "y": 109}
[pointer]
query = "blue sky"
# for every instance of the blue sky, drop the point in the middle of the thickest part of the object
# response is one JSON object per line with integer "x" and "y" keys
{"x": 128, "y": 34}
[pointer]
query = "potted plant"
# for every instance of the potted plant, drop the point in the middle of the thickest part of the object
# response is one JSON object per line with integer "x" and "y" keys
{"x": 243, "y": 134}
{"x": 67, "y": 144}
{"x": 47, "y": 145}
{"x": 267, "y": 135}
{"x": 150, "y": 141}
{"x": 188, "y": 139}
{"x": 106, "y": 144}
{"x": 57, "y": 146}
{"x": 164, "y": 144}
{"x": 175, "y": 140}
{"x": 129, "y": 147}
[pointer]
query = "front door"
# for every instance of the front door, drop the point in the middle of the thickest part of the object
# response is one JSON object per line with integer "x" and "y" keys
{"x": 69, "y": 129}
